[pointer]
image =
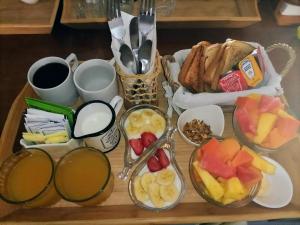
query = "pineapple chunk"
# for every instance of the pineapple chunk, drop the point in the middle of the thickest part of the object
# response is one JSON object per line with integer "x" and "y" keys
{"x": 265, "y": 124}
{"x": 259, "y": 162}
{"x": 214, "y": 188}
{"x": 234, "y": 189}
{"x": 284, "y": 114}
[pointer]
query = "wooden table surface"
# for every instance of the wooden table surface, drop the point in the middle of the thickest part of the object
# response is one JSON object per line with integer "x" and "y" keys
{"x": 17, "y": 53}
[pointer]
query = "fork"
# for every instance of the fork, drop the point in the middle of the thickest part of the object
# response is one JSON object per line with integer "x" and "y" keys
{"x": 115, "y": 21}
{"x": 146, "y": 18}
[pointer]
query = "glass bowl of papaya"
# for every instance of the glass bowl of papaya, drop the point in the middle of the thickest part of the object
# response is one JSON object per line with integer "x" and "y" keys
{"x": 227, "y": 174}
{"x": 264, "y": 123}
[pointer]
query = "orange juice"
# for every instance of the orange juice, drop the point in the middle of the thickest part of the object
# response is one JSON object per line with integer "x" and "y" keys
{"x": 84, "y": 176}
{"x": 27, "y": 178}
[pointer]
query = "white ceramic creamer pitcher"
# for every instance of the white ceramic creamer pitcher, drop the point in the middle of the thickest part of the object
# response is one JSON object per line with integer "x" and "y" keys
{"x": 95, "y": 122}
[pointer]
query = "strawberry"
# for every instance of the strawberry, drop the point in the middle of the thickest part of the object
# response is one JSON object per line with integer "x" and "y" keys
{"x": 162, "y": 158}
{"x": 148, "y": 138}
{"x": 137, "y": 146}
{"x": 153, "y": 164}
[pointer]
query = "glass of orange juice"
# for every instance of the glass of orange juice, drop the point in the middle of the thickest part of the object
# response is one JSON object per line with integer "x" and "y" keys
{"x": 84, "y": 176}
{"x": 27, "y": 178}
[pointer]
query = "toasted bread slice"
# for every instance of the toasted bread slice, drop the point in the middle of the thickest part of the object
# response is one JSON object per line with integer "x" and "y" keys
{"x": 211, "y": 71}
{"x": 235, "y": 51}
{"x": 201, "y": 74}
{"x": 189, "y": 74}
{"x": 190, "y": 78}
{"x": 215, "y": 82}
{"x": 210, "y": 53}
{"x": 218, "y": 68}
{"x": 186, "y": 65}
{"x": 204, "y": 46}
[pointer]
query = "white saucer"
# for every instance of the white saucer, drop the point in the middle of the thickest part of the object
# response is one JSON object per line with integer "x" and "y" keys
{"x": 278, "y": 190}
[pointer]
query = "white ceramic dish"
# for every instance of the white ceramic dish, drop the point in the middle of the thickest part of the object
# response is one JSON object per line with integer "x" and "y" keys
{"x": 55, "y": 150}
{"x": 278, "y": 188}
{"x": 212, "y": 115}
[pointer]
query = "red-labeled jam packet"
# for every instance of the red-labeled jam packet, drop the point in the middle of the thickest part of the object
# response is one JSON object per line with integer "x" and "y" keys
{"x": 233, "y": 81}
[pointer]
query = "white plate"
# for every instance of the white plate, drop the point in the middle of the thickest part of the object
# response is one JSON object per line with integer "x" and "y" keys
{"x": 212, "y": 115}
{"x": 279, "y": 188}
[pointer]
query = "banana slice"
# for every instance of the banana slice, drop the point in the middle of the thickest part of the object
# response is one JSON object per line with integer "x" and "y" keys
{"x": 165, "y": 177}
{"x": 169, "y": 193}
{"x": 154, "y": 194}
{"x": 146, "y": 180}
{"x": 139, "y": 191}
{"x": 136, "y": 119}
{"x": 131, "y": 130}
{"x": 158, "y": 122}
{"x": 148, "y": 113}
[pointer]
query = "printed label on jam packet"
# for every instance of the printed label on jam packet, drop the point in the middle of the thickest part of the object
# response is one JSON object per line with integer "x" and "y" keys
{"x": 233, "y": 81}
{"x": 251, "y": 71}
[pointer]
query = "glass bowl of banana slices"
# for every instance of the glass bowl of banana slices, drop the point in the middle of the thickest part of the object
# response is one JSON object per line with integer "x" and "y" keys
{"x": 157, "y": 183}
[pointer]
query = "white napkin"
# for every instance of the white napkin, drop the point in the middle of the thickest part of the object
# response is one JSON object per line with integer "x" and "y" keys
{"x": 115, "y": 44}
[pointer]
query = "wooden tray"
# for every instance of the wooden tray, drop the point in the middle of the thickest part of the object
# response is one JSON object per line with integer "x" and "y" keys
{"x": 17, "y": 17}
{"x": 119, "y": 209}
{"x": 201, "y": 13}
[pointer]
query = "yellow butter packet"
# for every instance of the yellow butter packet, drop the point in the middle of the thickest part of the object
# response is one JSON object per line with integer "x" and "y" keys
{"x": 59, "y": 133}
{"x": 31, "y": 137}
{"x": 56, "y": 139}
{"x": 251, "y": 71}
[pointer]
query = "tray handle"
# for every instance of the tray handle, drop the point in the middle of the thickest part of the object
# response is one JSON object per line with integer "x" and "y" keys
{"x": 11, "y": 126}
{"x": 291, "y": 53}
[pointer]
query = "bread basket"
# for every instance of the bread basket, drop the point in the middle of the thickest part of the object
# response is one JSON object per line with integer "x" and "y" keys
{"x": 184, "y": 99}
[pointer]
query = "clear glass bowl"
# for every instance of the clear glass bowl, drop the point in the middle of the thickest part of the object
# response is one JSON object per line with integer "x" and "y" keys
{"x": 169, "y": 146}
{"x": 202, "y": 191}
{"x": 244, "y": 140}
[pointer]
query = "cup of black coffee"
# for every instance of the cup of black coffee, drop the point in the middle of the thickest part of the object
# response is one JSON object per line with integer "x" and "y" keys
{"x": 52, "y": 79}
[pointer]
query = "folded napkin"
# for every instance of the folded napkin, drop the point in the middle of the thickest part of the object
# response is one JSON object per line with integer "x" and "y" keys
{"x": 115, "y": 44}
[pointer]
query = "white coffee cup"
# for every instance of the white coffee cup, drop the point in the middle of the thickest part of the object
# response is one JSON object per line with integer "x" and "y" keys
{"x": 65, "y": 92}
{"x": 96, "y": 79}
{"x": 95, "y": 122}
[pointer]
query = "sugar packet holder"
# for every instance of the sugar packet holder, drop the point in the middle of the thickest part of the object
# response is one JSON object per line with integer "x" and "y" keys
{"x": 56, "y": 150}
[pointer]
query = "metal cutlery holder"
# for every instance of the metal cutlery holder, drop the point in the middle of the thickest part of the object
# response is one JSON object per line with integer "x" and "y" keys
{"x": 140, "y": 88}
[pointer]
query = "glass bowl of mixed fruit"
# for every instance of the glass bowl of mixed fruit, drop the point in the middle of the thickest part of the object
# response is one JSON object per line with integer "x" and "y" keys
{"x": 227, "y": 174}
{"x": 264, "y": 123}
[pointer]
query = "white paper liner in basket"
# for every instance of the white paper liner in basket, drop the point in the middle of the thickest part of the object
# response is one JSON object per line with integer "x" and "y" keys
{"x": 184, "y": 99}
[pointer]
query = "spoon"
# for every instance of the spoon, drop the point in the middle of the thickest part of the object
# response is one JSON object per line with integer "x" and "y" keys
{"x": 127, "y": 58}
{"x": 134, "y": 35}
{"x": 144, "y": 56}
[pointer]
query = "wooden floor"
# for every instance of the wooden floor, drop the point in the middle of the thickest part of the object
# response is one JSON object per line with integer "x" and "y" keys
{"x": 17, "y": 53}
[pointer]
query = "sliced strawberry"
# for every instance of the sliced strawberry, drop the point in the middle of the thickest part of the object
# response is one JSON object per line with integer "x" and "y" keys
{"x": 148, "y": 138}
{"x": 153, "y": 164}
{"x": 137, "y": 146}
{"x": 162, "y": 158}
